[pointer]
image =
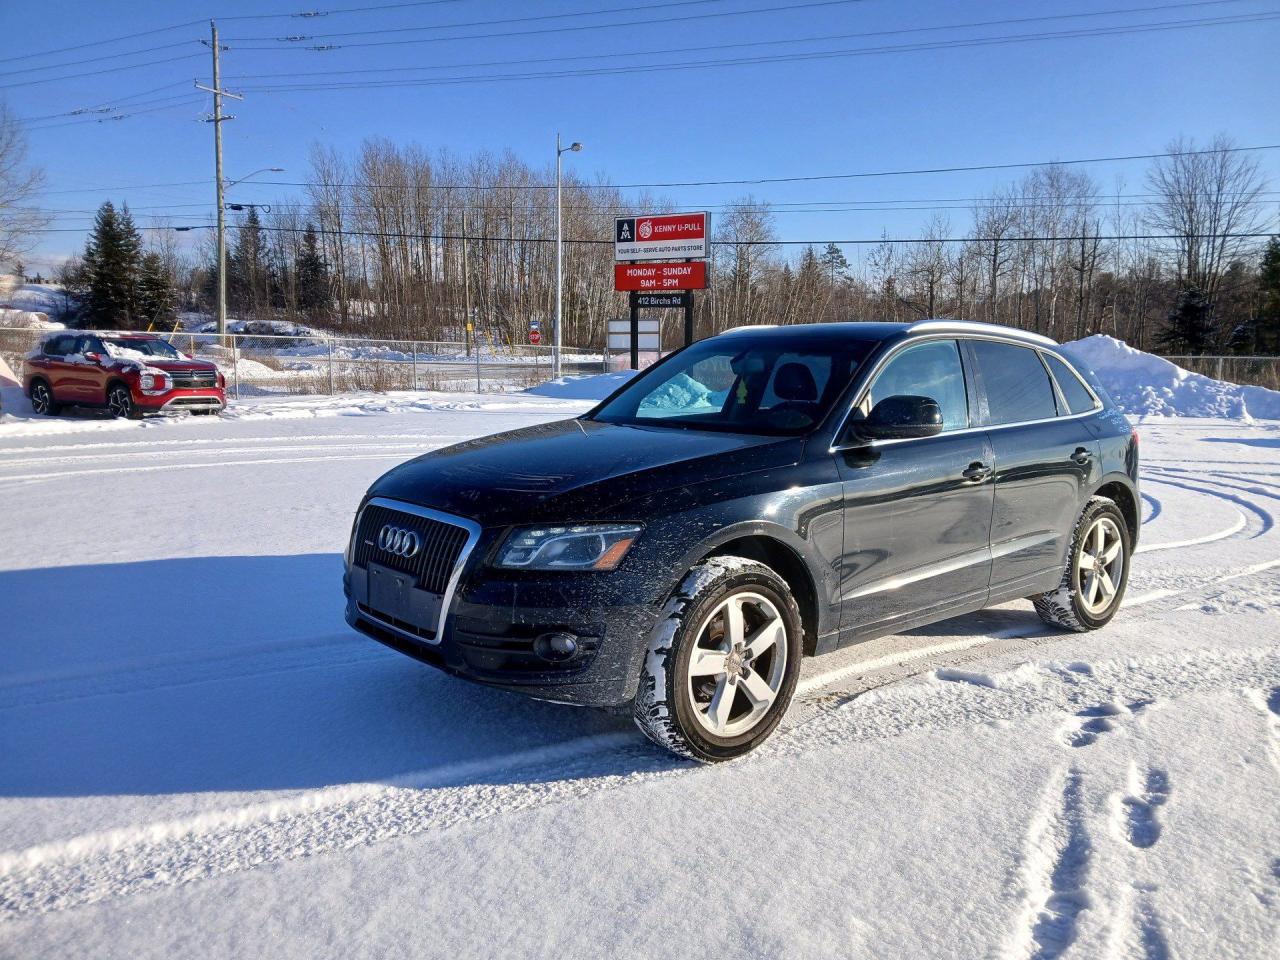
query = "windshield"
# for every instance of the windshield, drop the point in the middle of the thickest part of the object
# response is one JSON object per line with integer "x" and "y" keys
{"x": 743, "y": 383}
{"x": 123, "y": 346}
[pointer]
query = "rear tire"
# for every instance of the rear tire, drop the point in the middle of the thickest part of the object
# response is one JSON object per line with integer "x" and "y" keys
{"x": 42, "y": 401}
{"x": 723, "y": 662}
{"x": 1096, "y": 573}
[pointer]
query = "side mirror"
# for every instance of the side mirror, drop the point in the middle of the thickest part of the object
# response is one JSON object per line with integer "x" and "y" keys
{"x": 901, "y": 418}
{"x": 93, "y": 357}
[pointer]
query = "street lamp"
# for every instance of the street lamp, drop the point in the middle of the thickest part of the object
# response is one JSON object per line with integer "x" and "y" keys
{"x": 555, "y": 352}
{"x": 222, "y": 239}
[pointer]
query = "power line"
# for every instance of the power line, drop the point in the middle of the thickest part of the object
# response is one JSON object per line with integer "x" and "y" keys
{"x": 672, "y": 184}
{"x": 1089, "y": 237}
{"x": 112, "y": 117}
{"x": 98, "y": 43}
{"x": 95, "y": 73}
{"x": 107, "y": 56}
{"x": 923, "y": 46}
{"x": 542, "y": 18}
{"x": 730, "y": 46}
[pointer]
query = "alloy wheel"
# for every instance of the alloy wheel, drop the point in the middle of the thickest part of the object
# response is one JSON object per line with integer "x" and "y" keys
{"x": 737, "y": 665}
{"x": 119, "y": 402}
{"x": 1100, "y": 567}
{"x": 40, "y": 399}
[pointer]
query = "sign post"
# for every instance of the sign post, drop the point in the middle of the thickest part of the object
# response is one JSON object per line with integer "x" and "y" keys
{"x": 644, "y": 248}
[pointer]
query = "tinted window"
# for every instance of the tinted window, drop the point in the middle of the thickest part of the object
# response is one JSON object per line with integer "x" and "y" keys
{"x": 59, "y": 346}
{"x": 930, "y": 369}
{"x": 1075, "y": 392}
{"x": 767, "y": 384}
{"x": 1017, "y": 384}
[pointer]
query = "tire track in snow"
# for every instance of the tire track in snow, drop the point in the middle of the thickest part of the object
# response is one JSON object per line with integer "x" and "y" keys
{"x": 118, "y": 863}
{"x": 1055, "y": 870}
{"x": 219, "y": 451}
{"x": 162, "y": 467}
{"x": 217, "y": 440}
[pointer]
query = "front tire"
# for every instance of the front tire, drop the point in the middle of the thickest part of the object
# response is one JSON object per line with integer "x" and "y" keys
{"x": 120, "y": 403}
{"x": 42, "y": 401}
{"x": 723, "y": 663}
{"x": 1096, "y": 574}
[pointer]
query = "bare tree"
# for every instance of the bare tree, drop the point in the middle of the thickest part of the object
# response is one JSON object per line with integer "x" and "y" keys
{"x": 19, "y": 185}
{"x": 1207, "y": 198}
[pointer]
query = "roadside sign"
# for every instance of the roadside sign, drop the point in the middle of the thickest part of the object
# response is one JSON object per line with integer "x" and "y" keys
{"x": 535, "y": 336}
{"x": 663, "y": 300}
{"x": 645, "y": 341}
{"x": 667, "y": 236}
{"x": 622, "y": 326}
{"x": 660, "y": 277}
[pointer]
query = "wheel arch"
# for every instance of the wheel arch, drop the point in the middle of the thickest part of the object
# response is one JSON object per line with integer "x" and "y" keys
{"x": 1126, "y": 498}
{"x": 780, "y": 557}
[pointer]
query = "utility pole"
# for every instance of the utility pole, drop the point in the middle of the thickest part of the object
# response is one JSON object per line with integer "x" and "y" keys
{"x": 466, "y": 291}
{"x": 216, "y": 120}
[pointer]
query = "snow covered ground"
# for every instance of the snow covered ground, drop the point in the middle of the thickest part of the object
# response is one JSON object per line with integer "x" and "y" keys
{"x": 201, "y": 760}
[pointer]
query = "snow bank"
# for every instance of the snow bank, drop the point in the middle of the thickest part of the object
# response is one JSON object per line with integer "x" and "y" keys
{"x": 1147, "y": 385}
{"x": 595, "y": 387}
{"x": 28, "y": 320}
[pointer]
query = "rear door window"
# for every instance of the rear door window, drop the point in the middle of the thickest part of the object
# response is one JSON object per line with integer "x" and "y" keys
{"x": 1016, "y": 384}
{"x": 1077, "y": 395}
{"x": 59, "y": 346}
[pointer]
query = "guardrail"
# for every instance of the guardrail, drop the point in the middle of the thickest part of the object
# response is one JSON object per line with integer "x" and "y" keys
{"x": 260, "y": 364}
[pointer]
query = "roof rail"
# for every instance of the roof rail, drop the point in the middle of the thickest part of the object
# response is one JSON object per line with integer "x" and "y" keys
{"x": 973, "y": 326}
{"x": 750, "y": 326}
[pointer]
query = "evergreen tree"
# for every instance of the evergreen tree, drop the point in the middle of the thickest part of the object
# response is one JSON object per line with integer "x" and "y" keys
{"x": 1267, "y": 328}
{"x": 157, "y": 300}
{"x": 247, "y": 271}
{"x": 1191, "y": 324}
{"x": 314, "y": 298}
{"x": 834, "y": 263}
{"x": 111, "y": 269}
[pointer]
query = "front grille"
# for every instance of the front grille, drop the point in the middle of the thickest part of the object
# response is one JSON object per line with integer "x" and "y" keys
{"x": 194, "y": 379}
{"x": 431, "y": 566}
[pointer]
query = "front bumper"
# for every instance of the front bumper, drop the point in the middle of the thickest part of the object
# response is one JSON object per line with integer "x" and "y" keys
{"x": 490, "y": 634}
{"x": 177, "y": 401}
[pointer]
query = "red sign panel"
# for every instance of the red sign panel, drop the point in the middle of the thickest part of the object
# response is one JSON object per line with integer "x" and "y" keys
{"x": 666, "y": 236}
{"x": 650, "y": 277}
{"x": 535, "y": 336}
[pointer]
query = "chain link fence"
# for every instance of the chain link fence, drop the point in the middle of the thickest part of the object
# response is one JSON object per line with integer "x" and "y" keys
{"x": 266, "y": 364}
{"x": 1250, "y": 371}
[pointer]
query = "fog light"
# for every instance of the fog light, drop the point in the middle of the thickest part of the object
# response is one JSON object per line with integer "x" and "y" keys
{"x": 556, "y": 647}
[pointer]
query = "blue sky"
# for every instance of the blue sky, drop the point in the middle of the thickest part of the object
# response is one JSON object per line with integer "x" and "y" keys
{"x": 1014, "y": 102}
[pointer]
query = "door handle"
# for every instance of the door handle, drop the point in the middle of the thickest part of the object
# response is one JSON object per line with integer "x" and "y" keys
{"x": 1082, "y": 456}
{"x": 977, "y": 471}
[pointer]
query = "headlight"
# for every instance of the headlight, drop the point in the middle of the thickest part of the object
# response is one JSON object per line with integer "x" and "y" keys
{"x": 591, "y": 546}
{"x": 152, "y": 381}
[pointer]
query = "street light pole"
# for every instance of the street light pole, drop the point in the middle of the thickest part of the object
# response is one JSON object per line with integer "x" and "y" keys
{"x": 555, "y": 351}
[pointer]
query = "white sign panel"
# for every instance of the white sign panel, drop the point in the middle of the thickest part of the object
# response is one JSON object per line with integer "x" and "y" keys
{"x": 643, "y": 325}
{"x": 661, "y": 236}
{"x": 622, "y": 341}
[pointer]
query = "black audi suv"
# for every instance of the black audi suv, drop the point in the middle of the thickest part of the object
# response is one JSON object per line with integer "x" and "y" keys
{"x": 760, "y": 496}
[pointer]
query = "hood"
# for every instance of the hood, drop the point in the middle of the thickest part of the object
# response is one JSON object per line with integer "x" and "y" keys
{"x": 574, "y": 470}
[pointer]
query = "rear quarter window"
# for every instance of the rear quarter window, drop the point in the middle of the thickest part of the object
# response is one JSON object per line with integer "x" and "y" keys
{"x": 1077, "y": 395}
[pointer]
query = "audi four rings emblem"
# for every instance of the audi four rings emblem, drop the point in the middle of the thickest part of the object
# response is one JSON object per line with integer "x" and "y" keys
{"x": 401, "y": 542}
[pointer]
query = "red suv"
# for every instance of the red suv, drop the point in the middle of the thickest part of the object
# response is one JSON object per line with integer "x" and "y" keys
{"x": 127, "y": 373}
